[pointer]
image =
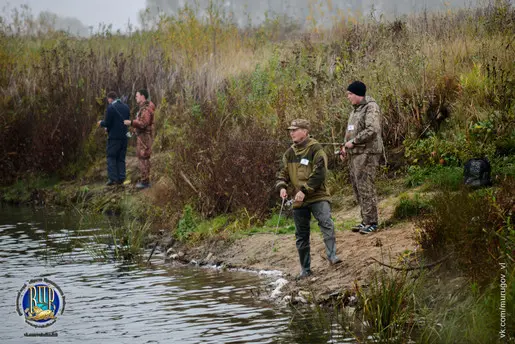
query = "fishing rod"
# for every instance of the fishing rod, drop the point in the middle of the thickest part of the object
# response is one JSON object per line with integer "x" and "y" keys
{"x": 336, "y": 152}
{"x": 287, "y": 203}
{"x": 289, "y": 143}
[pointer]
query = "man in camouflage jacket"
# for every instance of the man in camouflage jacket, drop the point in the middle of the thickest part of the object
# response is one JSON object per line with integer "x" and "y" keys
{"x": 144, "y": 128}
{"x": 304, "y": 170}
{"x": 363, "y": 146}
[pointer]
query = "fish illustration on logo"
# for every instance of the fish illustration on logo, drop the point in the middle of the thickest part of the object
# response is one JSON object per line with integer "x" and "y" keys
{"x": 40, "y": 301}
{"x": 38, "y": 314}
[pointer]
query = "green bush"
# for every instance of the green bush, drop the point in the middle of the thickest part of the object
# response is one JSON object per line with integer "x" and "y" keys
{"x": 187, "y": 224}
{"x": 490, "y": 137}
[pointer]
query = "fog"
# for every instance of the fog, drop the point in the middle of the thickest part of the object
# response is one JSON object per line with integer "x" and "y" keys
{"x": 78, "y": 16}
{"x": 255, "y": 12}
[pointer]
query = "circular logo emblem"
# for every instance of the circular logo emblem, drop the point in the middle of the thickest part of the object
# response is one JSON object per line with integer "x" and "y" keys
{"x": 40, "y": 301}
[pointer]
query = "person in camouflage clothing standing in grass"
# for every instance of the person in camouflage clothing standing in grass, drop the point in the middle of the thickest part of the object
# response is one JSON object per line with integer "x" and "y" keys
{"x": 304, "y": 169}
{"x": 363, "y": 147}
{"x": 144, "y": 127}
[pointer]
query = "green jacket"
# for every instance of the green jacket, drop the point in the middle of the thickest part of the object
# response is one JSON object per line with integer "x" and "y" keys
{"x": 364, "y": 127}
{"x": 304, "y": 168}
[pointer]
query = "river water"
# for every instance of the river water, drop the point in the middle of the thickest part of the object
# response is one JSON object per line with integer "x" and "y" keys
{"x": 111, "y": 302}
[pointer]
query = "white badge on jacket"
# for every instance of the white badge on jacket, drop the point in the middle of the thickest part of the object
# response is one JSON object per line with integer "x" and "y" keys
{"x": 304, "y": 162}
{"x": 350, "y": 127}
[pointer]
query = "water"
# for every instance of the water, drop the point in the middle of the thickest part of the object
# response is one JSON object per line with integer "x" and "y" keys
{"x": 120, "y": 303}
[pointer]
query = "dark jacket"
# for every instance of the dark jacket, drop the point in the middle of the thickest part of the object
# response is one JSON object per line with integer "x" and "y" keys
{"x": 304, "y": 167}
{"x": 116, "y": 113}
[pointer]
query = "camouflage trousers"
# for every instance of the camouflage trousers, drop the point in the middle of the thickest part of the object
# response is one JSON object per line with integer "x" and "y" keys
{"x": 362, "y": 168}
{"x": 143, "y": 152}
{"x": 144, "y": 170}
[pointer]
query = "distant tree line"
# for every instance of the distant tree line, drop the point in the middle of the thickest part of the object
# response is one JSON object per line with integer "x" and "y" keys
{"x": 251, "y": 12}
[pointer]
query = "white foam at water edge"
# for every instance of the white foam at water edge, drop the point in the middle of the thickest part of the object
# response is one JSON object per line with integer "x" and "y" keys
{"x": 279, "y": 284}
{"x": 270, "y": 272}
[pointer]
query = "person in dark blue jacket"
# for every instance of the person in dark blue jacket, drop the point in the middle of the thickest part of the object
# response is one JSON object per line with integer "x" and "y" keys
{"x": 116, "y": 113}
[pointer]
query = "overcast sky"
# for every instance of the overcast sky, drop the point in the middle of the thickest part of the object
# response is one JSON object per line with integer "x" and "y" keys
{"x": 89, "y": 12}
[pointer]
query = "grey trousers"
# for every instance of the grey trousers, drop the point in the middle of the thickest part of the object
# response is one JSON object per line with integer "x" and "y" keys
{"x": 302, "y": 216}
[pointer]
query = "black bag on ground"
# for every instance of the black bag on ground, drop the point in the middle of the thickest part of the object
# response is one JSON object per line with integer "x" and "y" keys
{"x": 477, "y": 172}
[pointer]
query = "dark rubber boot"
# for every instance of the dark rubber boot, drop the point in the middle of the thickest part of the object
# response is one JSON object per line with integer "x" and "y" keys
{"x": 305, "y": 262}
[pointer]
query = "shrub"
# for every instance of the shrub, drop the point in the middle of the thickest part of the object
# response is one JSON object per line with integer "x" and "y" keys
{"x": 476, "y": 226}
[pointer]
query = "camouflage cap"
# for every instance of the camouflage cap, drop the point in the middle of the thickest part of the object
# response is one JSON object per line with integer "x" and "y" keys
{"x": 299, "y": 124}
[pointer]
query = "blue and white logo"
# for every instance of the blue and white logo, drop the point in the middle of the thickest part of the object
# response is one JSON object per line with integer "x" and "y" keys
{"x": 40, "y": 301}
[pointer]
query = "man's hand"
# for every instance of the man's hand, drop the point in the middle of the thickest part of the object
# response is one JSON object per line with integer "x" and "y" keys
{"x": 127, "y": 122}
{"x": 349, "y": 144}
{"x": 283, "y": 193}
{"x": 299, "y": 197}
{"x": 98, "y": 124}
{"x": 343, "y": 153}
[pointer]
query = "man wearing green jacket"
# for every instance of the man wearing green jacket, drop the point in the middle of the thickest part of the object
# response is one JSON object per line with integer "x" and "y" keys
{"x": 304, "y": 171}
{"x": 363, "y": 147}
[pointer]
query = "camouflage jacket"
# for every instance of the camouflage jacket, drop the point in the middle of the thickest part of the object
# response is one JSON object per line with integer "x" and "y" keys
{"x": 304, "y": 168}
{"x": 144, "y": 126}
{"x": 144, "y": 121}
{"x": 364, "y": 127}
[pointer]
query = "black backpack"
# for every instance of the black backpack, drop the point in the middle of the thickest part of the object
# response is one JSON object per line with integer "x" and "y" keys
{"x": 477, "y": 172}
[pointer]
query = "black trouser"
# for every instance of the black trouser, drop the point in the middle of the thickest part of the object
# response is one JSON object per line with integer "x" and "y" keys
{"x": 302, "y": 216}
{"x": 116, "y": 150}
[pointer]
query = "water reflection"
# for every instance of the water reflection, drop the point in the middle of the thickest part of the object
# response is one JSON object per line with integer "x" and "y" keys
{"x": 122, "y": 303}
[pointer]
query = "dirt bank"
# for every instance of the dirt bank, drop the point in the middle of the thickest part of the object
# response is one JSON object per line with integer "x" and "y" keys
{"x": 270, "y": 252}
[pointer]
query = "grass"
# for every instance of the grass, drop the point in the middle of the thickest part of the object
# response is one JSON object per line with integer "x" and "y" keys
{"x": 435, "y": 178}
{"x": 123, "y": 242}
{"x": 23, "y": 191}
{"x": 411, "y": 206}
{"x": 388, "y": 304}
{"x": 191, "y": 228}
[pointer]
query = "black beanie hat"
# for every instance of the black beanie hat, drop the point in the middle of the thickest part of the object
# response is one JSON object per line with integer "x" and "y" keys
{"x": 358, "y": 88}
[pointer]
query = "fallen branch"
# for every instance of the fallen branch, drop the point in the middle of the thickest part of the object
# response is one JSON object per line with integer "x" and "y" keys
{"x": 188, "y": 181}
{"x": 411, "y": 268}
